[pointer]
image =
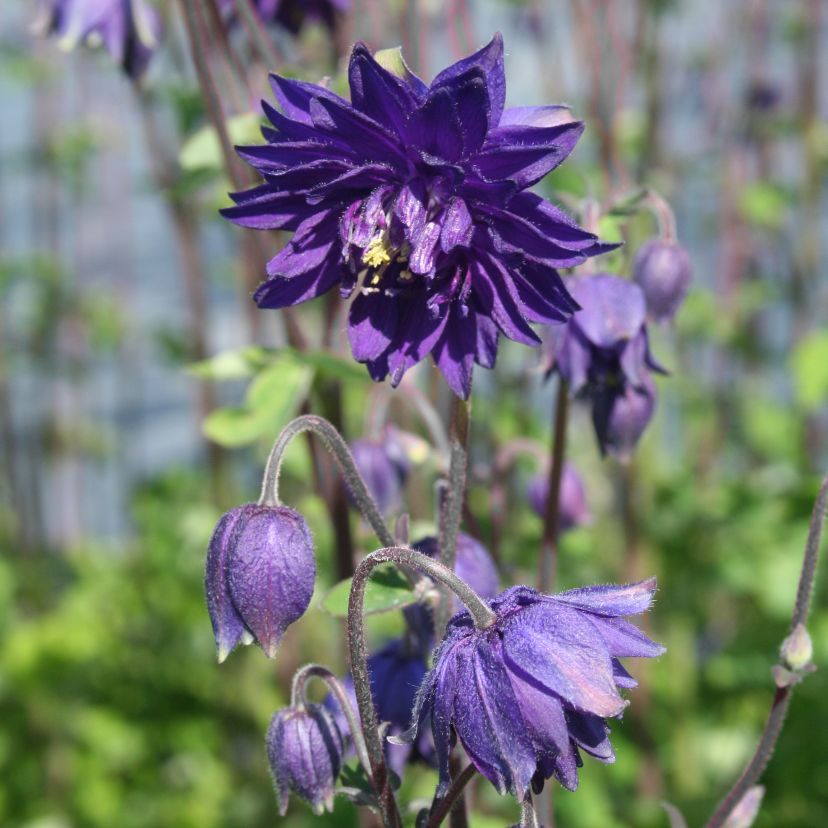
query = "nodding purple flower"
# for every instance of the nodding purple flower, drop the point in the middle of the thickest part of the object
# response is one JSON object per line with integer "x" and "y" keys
{"x": 414, "y": 200}
{"x": 130, "y": 30}
{"x": 304, "y": 748}
{"x": 292, "y": 14}
{"x": 573, "y": 509}
{"x": 472, "y": 562}
{"x": 527, "y": 694}
{"x": 603, "y": 353}
{"x": 384, "y": 467}
{"x": 663, "y": 271}
{"x": 259, "y": 576}
{"x": 396, "y": 672}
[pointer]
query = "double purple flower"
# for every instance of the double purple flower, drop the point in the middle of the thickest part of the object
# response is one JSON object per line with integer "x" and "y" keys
{"x": 414, "y": 200}
{"x": 603, "y": 353}
{"x": 527, "y": 694}
{"x": 130, "y": 30}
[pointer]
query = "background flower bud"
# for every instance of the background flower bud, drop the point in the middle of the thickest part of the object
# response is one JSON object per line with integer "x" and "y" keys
{"x": 271, "y": 571}
{"x": 573, "y": 508}
{"x": 304, "y": 748}
{"x": 663, "y": 270}
{"x": 384, "y": 468}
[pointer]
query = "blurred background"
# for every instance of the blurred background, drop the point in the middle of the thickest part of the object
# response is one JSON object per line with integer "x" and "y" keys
{"x": 140, "y": 388}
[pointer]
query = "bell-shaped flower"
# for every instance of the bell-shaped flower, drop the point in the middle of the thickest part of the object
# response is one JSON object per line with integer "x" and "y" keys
{"x": 290, "y": 14}
{"x": 304, "y": 748}
{"x": 259, "y": 575}
{"x": 573, "y": 509}
{"x": 130, "y": 30}
{"x": 604, "y": 355}
{"x": 526, "y": 695}
{"x": 384, "y": 468}
{"x": 662, "y": 269}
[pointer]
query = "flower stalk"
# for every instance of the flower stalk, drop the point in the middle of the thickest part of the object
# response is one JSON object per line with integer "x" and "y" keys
{"x": 782, "y": 697}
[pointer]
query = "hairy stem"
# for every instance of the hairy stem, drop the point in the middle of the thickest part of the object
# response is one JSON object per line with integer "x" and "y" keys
{"x": 782, "y": 698}
{"x": 452, "y": 509}
{"x": 298, "y": 697}
{"x": 336, "y": 445}
{"x": 547, "y": 563}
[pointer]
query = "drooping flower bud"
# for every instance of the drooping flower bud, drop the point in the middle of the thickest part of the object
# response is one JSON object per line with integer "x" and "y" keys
{"x": 384, "y": 467}
{"x": 620, "y": 418}
{"x": 304, "y": 748}
{"x": 572, "y": 506}
{"x": 259, "y": 576}
{"x": 663, "y": 270}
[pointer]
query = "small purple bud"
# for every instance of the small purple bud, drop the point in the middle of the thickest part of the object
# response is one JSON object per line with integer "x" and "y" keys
{"x": 797, "y": 649}
{"x": 663, "y": 270}
{"x": 259, "y": 575}
{"x": 304, "y": 748}
{"x": 271, "y": 570}
{"x": 384, "y": 468}
{"x": 573, "y": 508}
{"x": 620, "y": 418}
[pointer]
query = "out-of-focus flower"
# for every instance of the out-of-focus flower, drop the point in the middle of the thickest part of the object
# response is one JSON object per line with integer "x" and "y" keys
{"x": 292, "y": 14}
{"x": 384, "y": 467}
{"x": 603, "y": 353}
{"x": 528, "y": 693}
{"x": 572, "y": 506}
{"x": 130, "y": 30}
{"x": 259, "y": 576}
{"x": 396, "y": 672}
{"x": 304, "y": 748}
{"x": 472, "y": 562}
{"x": 414, "y": 200}
{"x": 663, "y": 271}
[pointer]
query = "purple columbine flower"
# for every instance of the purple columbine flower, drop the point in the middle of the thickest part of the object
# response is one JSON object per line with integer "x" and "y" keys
{"x": 130, "y": 30}
{"x": 573, "y": 509}
{"x": 527, "y": 694}
{"x": 603, "y": 353}
{"x": 472, "y": 562}
{"x": 384, "y": 467}
{"x": 304, "y": 748}
{"x": 414, "y": 199}
{"x": 292, "y": 14}
{"x": 663, "y": 271}
{"x": 259, "y": 576}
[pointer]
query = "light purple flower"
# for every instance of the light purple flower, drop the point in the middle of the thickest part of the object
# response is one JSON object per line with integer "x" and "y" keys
{"x": 292, "y": 14}
{"x": 304, "y": 748}
{"x": 414, "y": 200}
{"x": 384, "y": 467}
{"x": 130, "y": 30}
{"x": 604, "y": 355}
{"x": 259, "y": 576}
{"x": 527, "y": 694}
{"x": 573, "y": 509}
{"x": 663, "y": 271}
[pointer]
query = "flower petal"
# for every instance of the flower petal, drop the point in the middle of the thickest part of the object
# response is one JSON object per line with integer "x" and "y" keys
{"x": 612, "y": 599}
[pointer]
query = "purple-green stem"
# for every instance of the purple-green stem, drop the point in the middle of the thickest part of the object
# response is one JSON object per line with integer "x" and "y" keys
{"x": 358, "y": 653}
{"x": 547, "y": 564}
{"x": 782, "y": 697}
{"x": 451, "y": 512}
{"x": 255, "y": 28}
{"x": 298, "y": 698}
{"x": 440, "y": 809}
{"x": 336, "y": 445}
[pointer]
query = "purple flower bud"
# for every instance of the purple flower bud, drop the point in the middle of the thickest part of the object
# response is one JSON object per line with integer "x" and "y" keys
{"x": 304, "y": 748}
{"x": 663, "y": 270}
{"x": 527, "y": 694}
{"x": 259, "y": 576}
{"x": 572, "y": 507}
{"x": 620, "y": 418}
{"x": 472, "y": 562}
{"x": 384, "y": 468}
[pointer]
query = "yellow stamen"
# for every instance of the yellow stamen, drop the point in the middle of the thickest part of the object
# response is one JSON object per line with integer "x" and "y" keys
{"x": 377, "y": 253}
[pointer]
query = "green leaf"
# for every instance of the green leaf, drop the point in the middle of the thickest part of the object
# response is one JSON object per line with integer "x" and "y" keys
{"x": 233, "y": 427}
{"x": 764, "y": 204}
{"x": 230, "y": 365}
{"x": 202, "y": 149}
{"x": 387, "y": 590}
{"x": 331, "y": 365}
{"x": 809, "y": 364}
